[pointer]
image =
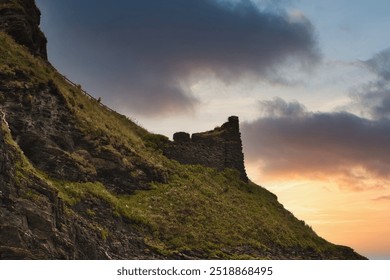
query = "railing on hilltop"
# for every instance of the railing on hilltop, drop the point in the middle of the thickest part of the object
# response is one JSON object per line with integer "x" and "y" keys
{"x": 86, "y": 93}
{"x": 89, "y": 95}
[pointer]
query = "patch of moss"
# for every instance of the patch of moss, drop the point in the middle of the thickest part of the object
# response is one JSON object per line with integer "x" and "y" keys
{"x": 90, "y": 212}
{"x": 104, "y": 233}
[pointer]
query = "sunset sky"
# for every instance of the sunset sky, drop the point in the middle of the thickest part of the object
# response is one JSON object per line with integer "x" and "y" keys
{"x": 310, "y": 81}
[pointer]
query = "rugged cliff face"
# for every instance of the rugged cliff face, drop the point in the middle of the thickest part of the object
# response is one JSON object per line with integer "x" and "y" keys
{"x": 35, "y": 224}
{"x": 46, "y": 130}
{"x": 219, "y": 148}
{"x": 79, "y": 181}
{"x": 21, "y": 20}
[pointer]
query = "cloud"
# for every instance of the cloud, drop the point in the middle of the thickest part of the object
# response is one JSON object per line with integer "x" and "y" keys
{"x": 373, "y": 99}
{"x": 380, "y": 64}
{"x": 280, "y": 108}
{"x": 288, "y": 141}
{"x": 382, "y": 198}
{"x": 145, "y": 54}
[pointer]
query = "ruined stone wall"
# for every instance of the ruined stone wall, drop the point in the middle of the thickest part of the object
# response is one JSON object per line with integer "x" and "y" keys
{"x": 219, "y": 148}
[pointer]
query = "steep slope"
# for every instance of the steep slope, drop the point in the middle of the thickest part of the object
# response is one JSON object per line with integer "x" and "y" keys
{"x": 79, "y": 181}
{"x": 36, "y": 224}
{"x": 21, "y": 20}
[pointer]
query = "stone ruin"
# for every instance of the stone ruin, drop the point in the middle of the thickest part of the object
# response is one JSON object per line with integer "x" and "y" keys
{"x": 219, "y": 148}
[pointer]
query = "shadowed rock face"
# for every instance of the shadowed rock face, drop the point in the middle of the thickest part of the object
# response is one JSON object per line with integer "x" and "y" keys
{"x": 34, "y": 225}
{"x": 219, "y": 148}
{"x": 46, "y": 131}
{"x": 20, "y": 19}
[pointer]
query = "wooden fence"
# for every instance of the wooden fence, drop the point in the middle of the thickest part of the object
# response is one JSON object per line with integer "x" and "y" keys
{"x": 86, "y": 93}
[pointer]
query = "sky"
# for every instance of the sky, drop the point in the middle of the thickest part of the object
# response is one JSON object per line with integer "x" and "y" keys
{"x": 309, "y": 80}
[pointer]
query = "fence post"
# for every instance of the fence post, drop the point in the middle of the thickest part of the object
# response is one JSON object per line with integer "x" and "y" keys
{"x": 86, "y": 93}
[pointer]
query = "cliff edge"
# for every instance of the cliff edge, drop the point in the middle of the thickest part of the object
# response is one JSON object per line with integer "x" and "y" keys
{"x": 21, "y": 20}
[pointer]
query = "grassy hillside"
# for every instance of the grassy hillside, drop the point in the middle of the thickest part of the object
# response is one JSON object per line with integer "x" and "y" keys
{"x": 192, "y": 212}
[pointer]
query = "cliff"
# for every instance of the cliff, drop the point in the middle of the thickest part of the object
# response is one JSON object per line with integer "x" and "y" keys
{"x": 36, "y": 224}
{"x": 21, "y": 20}
{"x": 220, "y": 148}
{"x": 80, "y": 181}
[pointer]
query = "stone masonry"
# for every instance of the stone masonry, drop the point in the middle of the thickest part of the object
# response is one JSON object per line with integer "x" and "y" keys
{"x": 219, "y": 148}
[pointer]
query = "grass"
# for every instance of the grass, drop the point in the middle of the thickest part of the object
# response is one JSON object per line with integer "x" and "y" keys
{"x": 101, "y": 127}
{"x": 199, "y": 211}
{"x": 16, "y": 61}
{"x": 205, "y": 210}
{"x": 22, "y": 165}
{"x": 202, "y": 210}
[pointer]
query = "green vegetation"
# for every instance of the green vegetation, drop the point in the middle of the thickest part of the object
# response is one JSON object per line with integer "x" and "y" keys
{"x": 16, "y": 61}
{"x": 101, "y": 127}
{"x": 13, "y": 4}
{"x": 202, "y": 210}
{"x": 199, "y": 211}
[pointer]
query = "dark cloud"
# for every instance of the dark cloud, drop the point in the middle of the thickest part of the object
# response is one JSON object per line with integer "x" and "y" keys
{"x": 380, "y": 64}
{"x": 144, "y": 54}
{"x": 373, "y": 99}
{"x": 280, "y": 108}
{"x": 343, "y": 147}
{"x": 353, "y": 151}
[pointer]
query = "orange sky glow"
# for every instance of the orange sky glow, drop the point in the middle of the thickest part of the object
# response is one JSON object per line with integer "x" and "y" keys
{"x": 339, "y": 213}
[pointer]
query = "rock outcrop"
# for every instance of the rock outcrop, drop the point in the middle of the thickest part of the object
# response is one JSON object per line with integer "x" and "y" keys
{"x": 21, "y": 19}
{"x": 219, "y": 148}
{"x": 44, "y": 127}
{"x": 34, "y": 225}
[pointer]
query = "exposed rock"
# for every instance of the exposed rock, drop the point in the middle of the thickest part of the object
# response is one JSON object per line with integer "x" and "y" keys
{"x": 21, "y": 19}
{"x": 34, "y": 225}
{"x": 219, "y": 148}
{"x": 45, "y": 129}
